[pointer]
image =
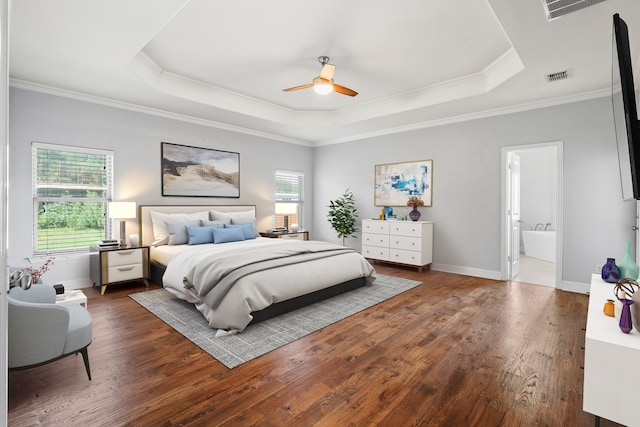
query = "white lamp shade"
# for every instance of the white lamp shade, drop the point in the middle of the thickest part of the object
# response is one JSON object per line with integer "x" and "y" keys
{"x": 122, "y": 210}
{"x": 286, "y": 208}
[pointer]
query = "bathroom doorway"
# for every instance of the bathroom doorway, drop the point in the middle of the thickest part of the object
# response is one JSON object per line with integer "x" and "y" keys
{"x": 532, "y": 220}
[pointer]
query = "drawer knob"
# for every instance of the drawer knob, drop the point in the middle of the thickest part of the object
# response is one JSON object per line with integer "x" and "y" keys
{"x": 125, "y": 268}
{"x": 124, "y": 252}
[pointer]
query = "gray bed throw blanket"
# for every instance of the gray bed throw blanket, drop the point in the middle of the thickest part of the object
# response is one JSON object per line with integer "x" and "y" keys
{"x": 211, "y": 280}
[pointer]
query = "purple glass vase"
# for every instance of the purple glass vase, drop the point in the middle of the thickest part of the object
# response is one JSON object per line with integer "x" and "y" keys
{"x": 610, "y": 272}
{"x": 414, "y": 214}
{"x": 626, "y": 325}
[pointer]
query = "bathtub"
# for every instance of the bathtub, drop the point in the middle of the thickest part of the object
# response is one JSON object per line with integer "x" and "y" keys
{"x": 540, "y": 244}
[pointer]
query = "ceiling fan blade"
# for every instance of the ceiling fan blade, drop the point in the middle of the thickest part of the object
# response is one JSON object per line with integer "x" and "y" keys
{"x": 344, "y": 90}
{"x": 327, "y": 71}
{"x": 298, "y": 87}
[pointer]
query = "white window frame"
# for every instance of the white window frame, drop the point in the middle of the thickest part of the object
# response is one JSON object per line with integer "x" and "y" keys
{"x": 282, "y": 174}
{"x": 37, "y": 199}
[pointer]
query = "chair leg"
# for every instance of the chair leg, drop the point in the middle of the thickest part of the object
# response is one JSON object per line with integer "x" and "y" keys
{"x": 85, "y": 357}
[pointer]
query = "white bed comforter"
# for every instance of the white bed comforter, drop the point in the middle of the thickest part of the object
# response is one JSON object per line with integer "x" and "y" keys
{"x": 256, "y": 290}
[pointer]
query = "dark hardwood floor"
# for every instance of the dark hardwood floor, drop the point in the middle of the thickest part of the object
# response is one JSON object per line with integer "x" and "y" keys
{"x": 455, "y": 351}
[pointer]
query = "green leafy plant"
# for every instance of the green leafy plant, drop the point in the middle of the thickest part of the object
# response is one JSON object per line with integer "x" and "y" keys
{"x": 343, "y": 215}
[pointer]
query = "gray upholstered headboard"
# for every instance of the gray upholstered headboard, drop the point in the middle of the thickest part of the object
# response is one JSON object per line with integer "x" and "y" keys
{"x": 146, "y": 227}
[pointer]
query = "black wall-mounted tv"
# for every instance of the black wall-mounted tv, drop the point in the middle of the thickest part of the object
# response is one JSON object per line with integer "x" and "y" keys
{"x": 625, "y": 114}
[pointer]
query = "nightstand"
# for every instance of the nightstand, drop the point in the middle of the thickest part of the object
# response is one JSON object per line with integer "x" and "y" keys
{"x": 298, "y": 235}
{"x": 109, "y": 266}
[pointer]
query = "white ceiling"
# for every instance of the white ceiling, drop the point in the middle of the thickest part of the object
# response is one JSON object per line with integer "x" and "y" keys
{"x": 415, "y": 63}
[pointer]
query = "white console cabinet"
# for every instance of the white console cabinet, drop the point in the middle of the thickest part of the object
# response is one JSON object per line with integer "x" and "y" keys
{"x": 401, "y": 242}
{"x": 611, "y": 374}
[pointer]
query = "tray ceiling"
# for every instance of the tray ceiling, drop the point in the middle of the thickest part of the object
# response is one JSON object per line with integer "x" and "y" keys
{"x": 415, "y": 63}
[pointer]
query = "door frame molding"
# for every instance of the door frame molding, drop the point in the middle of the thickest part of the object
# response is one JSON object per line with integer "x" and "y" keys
{"x": 504, "y": 217}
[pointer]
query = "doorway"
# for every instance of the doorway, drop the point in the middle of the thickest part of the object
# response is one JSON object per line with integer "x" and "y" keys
{"x": 532, "y": 213}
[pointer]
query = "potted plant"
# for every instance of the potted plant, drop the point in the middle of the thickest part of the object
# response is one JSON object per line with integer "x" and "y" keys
{"x": 343, "y": 215}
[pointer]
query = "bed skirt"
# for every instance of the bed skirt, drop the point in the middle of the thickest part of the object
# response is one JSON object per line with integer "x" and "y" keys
{"x": 157, "y": 271}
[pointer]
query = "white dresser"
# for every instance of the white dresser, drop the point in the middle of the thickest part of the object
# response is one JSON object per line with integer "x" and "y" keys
{"x": 401, "y": 242}
{"x": 611, "y": 374}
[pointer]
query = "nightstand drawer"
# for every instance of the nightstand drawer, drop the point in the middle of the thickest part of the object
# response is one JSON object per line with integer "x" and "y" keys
{"x": 124, "y": 257}
{"x": 121, "y": 273}
{"x": 295, "y": 236}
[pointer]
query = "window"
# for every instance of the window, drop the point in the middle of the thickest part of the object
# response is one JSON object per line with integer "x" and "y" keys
{"x": 71, "y": 188}
{"x": 290, "y": 188}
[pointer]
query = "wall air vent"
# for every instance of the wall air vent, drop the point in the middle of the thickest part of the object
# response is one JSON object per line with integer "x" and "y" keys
{"x": 557, "y": 8}
{"x": 560, "y": 75}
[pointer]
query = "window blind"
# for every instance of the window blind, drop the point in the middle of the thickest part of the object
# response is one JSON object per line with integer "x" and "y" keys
{"x": 71, "y": 188}
{"x": 290, "y": 188}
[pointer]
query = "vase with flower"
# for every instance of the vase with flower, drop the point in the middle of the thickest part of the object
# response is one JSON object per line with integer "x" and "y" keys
{"x": 37, "y": 272}
{"x": 415, "y": 202}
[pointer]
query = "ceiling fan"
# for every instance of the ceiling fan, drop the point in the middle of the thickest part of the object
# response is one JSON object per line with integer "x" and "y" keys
{"x": 324, "y": 84}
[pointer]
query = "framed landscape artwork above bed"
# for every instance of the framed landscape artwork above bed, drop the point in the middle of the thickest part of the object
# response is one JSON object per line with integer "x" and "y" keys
{"x": 199, "y": 172}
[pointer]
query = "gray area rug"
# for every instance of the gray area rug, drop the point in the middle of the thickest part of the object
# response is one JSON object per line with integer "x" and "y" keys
{"x": 261, "y": 338}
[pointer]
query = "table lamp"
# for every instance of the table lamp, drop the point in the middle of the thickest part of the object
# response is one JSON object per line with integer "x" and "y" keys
{"x": 122, "y": 211}
{"x": 286, "y": 209}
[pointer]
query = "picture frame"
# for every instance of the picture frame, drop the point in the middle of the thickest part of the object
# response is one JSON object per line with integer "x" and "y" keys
{"x": 199, "y": 172}
{"x": 396, "y": 182}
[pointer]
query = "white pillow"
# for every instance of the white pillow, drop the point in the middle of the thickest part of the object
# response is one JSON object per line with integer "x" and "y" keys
{"x": 158, "y": 220}
{"x": 215, "y": 215}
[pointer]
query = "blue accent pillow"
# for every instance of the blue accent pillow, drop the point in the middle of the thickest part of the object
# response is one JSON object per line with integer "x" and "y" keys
{"x": 200, "y": 235}
{"x": 247, "y": 230}
{"x": 178, "y": 231}
{"x": 225, "y": 235}
{"x": 237, "y": 221}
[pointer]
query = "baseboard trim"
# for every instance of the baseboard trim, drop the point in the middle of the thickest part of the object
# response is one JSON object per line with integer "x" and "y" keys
{"x": 581, "y": 288}
{"x": 466, "y": 271}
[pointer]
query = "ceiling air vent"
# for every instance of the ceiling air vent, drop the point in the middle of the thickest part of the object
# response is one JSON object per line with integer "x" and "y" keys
{"x": 557, "y": 8}
{"x": 560, "y": 75}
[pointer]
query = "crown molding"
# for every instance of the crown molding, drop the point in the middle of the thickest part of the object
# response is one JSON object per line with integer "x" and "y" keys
{"x": 21, "y": 84}
{"x": 471, "y": 116}
{"x": 50, "y": 90}
{"x": 500, "y": 70}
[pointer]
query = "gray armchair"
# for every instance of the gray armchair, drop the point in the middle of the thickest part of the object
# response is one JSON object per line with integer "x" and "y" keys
{"x": 41, "y": 331}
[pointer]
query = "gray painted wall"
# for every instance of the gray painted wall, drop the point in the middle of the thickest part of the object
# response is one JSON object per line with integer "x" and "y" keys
{"x": 466, "y": 181}
{"x": 135, "y": 139}
{"x": 467, "y": 184}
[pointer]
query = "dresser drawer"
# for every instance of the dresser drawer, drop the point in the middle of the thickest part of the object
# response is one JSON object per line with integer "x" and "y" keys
{"x": 121, "y": 273}
{"x": 374, "y": 252}
{"x": 406, "y": 228}
{"x": 370, "y": 239}
{"x": 124, "y": 257}
{"x": 405, "y": 257}
{"x": 406, "y": 243}
{"x": 377, "y": 227}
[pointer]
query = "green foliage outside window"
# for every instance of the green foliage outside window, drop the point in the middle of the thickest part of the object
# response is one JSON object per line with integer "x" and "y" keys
{"x": 72, "y": 189}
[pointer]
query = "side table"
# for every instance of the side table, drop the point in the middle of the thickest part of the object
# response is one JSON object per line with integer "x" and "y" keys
{"x": 75, "y": 296}
{"x": 110, "y": 266}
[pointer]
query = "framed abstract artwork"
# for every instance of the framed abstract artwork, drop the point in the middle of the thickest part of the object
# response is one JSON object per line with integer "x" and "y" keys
{"x": 199, "y": 172}
{"x": 396, "y": 182}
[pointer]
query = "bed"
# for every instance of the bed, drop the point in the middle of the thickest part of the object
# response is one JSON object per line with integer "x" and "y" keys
{"x": 235, "y": 282}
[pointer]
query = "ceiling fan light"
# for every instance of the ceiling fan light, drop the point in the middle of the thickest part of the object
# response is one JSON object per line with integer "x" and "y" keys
{"x": 322, "y": 86}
